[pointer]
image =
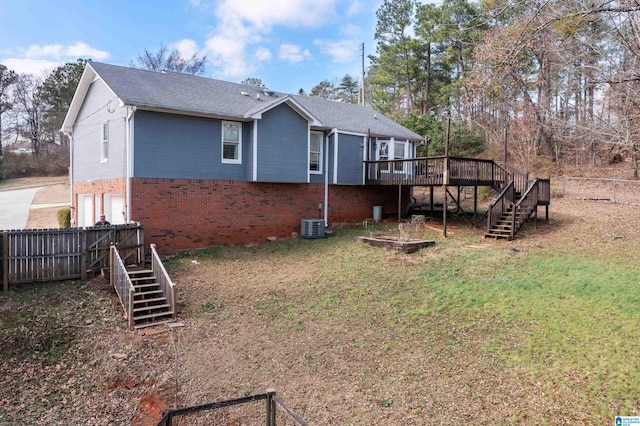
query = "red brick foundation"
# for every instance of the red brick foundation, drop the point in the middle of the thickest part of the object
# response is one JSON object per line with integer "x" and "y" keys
{"x": 100, "y": 187}
{"x": 179, "y": 214}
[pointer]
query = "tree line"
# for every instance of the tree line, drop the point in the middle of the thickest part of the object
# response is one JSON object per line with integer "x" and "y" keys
{"x": 556, "y": 80}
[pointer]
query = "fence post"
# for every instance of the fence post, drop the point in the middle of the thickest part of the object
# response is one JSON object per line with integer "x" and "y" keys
{"x": 84, "y": 256}
{"x": 5, "y": 261}
{"x": 270, "y": 408}
{"x": 613, "y": 185}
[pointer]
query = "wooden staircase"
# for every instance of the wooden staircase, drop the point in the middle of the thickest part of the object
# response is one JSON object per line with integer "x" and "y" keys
{"x": 150, "y": 304}
{"x": 508, "y": 225}
{"x": 147, "y": 295}
{"x": 510, "y": 210}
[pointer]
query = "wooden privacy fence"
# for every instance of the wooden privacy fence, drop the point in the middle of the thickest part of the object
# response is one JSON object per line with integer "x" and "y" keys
{"x": 60, "y": 254}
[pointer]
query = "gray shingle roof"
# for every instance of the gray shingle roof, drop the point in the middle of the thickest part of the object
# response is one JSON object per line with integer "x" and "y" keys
{"x": 201, "y": 95}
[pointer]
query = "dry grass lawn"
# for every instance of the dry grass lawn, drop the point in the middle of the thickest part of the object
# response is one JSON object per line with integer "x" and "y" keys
{"x": 342, "y": 331}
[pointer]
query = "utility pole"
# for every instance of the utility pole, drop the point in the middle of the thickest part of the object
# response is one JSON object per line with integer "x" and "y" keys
{"x": 362, "y": 79}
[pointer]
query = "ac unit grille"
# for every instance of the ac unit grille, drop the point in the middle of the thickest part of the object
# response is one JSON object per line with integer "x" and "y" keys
{"x": 312, "y": 228}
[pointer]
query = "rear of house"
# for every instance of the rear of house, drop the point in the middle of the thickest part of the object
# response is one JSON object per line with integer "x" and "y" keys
{"x": 201, "y": 162}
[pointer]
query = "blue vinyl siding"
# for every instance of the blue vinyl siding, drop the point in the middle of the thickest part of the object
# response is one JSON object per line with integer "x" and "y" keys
{"x": 350, "y": 155}
{"x": 99, "y": 106}
{"x": 331, "y": 154}
{"x": 283, "y": 145}
{"x": 183, "y": 147}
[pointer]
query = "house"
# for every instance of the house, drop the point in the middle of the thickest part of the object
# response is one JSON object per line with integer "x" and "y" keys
{"x": 201, "y": 162}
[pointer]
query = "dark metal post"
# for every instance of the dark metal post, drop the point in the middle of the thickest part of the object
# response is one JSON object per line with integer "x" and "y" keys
{"x": 270, "y": 419}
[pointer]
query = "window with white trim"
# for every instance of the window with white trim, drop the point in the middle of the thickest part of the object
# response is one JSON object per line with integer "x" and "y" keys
{"x": 315, "y": 153}
{"x": 231, "y": 142}
{"x": 399, "y": 154}
{"x": 104, "y": 142}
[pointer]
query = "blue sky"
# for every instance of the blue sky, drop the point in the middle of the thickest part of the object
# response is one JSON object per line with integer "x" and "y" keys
{"x": 289, "y": 44}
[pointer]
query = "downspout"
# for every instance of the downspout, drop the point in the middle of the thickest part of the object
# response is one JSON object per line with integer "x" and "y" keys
{"x": 326, "y": 177}
{"x": 70, "y": 136}
{"x": 129, "y": 160}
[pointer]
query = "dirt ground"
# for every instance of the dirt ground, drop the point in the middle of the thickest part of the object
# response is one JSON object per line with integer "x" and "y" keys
{"x": 115, "y": 376}
{"x": 44, "y": 218}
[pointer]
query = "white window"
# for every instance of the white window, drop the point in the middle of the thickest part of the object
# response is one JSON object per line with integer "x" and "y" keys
{"x": 231, "y": 142}
{"x": 315, "y": 153}
{"x": 399, "y": 154}
{"x": 104, "y": 143}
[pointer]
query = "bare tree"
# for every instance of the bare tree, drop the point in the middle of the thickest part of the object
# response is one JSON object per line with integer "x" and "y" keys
{"x": 31, "y": 109}
{"x": 170, "y": 60}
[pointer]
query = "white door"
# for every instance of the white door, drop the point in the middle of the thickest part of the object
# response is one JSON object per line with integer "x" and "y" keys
{"x": 114, "y": 208}
{"x": 85, "y": 210}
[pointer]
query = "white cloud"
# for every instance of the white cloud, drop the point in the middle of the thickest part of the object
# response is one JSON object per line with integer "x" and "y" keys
{"x": 61, "y": 52}
{"x": 293, "y": 53}
{"x": 37, "y": 67}
{"x": 186, "y": 47}
{"x": 351, "y": 31}
{"x": 262, "y": 15}
{"x": 244, "y": 23}
{"x": 40, "y": 60}
{"x": 262, "y": 54}
{"x": 355, "y": 8}
{"x": 342, "y": 51}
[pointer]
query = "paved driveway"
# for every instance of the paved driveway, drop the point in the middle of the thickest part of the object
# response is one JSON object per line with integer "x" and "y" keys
{"x": 14, "y": 207}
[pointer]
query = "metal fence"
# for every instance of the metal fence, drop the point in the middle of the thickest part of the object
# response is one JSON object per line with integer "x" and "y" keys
{"x": 622, "y": 191}
{"x": 260, "y": 409}
{"x": 59, "y": 254}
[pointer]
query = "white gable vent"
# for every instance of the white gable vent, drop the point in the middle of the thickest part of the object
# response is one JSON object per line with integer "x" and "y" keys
{"x": 312, "y": 228}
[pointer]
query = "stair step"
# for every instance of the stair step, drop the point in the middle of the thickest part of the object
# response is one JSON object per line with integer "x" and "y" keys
{"x": 153, "y": 315}
{"x": 139, "y": 271}
{"x": 136, "y": 279}
{"x": 145, "y": 293}
{"x": 146, "y": 285}
{"x": 155, "y": 299}
{"x": 150, "y": 308}
{"x": 153, "y": 323}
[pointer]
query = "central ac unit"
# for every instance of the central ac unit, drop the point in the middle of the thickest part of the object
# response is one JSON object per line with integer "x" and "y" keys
{"x": 312, "y": 228}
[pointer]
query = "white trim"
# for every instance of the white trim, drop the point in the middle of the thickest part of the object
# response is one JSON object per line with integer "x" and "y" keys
{"x": 335, "y": 158}
{"x": 346, "y": 132}
{"x": 326, "y": 181}
{"x": 293, "y": 104}
{"x": 231, "y": 160}
{"x": 255, "y": 150}
{"x": 104, "y": 142}
{"x": 129, "y": 162}
{"x": 320, "y": 161}
{"x": 364, "y": 158}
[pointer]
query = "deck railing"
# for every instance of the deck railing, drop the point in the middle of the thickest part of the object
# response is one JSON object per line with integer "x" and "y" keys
{"x": 434, "y": 171}
{"x": 162, "y": 277}
{"x": 121, "y": 282}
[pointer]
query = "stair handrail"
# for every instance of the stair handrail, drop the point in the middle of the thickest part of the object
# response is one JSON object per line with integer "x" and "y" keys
{"x": 499, "y": 204}
{"x": 528, "y": 201}
{"x": 167, "y": 286}
{"x": 520, "y": 178}
{"x": 121, "y": 282}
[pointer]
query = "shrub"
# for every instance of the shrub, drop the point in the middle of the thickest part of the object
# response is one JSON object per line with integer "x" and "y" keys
{"x": 64, "y": 218}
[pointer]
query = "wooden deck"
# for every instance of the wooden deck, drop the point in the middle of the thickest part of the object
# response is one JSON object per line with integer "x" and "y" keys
{"x": 436, "y": 171}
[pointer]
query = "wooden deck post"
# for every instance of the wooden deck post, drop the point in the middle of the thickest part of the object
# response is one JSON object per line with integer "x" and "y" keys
{"x": 444, "y": 212}
{"x": 399, "y": 203}
{"x": 475, "y": 205}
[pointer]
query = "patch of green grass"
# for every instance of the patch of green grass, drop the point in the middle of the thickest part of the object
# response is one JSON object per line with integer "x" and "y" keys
{"x": 574, "y": 320}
